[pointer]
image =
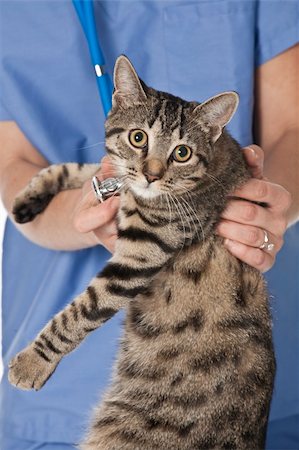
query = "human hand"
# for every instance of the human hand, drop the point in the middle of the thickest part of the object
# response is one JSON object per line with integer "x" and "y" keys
{"x": 244, "y": 224}
{"x": 96, "y": 218}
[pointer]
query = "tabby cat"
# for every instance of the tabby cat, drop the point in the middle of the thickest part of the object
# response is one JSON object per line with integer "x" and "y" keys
{"x": 196, "y": 366}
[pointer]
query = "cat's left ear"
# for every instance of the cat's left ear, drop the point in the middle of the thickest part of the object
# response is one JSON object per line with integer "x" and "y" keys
{"x": 128, "y": 90}
{"x": 217, "y": 111}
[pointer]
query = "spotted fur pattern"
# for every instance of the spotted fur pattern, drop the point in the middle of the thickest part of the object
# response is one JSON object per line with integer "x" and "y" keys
{"x": 195, "y": 367}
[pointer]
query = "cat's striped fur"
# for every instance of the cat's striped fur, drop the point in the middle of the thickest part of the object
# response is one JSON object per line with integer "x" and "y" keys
{"x": 196, "y": 366}
{"x": 46, "y": 184}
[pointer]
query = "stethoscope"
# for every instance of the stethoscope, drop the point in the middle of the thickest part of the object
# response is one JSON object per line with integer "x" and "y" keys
{"x": 85, "y": 10}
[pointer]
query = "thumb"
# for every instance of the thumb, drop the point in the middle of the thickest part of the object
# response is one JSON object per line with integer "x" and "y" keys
{"x": 107, "y": 169}
{"x": 97, "y": 216}
{"x": 254, "y": 156}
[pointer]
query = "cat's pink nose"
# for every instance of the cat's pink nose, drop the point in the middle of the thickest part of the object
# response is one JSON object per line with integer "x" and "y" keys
{"x": 150, "y": 178}
{"x": 153, "y": 170}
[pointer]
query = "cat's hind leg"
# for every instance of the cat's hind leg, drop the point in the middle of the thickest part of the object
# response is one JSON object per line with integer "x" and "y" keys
{"x": 36, "y": 196}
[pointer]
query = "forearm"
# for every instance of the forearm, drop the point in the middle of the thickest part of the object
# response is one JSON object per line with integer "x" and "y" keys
{"x": 54, "y": 227}
{"x": 282, "y": 167}
{"x": 276, "y": 122}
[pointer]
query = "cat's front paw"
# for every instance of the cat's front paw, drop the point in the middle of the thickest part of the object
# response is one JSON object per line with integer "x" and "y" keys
{"x": 28, "y": 370}
{"x": 29, "y": 204}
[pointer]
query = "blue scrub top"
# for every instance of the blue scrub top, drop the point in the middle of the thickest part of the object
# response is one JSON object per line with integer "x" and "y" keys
{"x": 193, "y": 49}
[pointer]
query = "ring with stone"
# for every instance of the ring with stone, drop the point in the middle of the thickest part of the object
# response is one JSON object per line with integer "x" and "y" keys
{"x": 266, "y": 245}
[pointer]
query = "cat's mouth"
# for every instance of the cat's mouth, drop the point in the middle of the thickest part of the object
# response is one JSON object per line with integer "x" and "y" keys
{"x": 145, "y": 189}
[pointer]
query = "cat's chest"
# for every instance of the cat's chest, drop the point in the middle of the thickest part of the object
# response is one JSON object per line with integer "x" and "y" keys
{"x": 197, "y": 282}
{"x": 137, "y": 214}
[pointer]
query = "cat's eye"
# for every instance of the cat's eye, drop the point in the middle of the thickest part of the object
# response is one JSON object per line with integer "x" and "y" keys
{"x": 138, "y": 138}
{"x": 181, "y": 153}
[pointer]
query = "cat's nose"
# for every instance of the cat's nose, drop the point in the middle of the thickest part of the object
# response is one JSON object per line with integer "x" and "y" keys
{"x": 153, "y": 170}
{"x": 150, "y": 178}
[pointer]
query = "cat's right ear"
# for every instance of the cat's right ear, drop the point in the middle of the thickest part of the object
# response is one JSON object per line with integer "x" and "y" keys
{"x": 128, "y": 90}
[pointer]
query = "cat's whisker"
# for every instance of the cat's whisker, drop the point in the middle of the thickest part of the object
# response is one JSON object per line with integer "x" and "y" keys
{"x": 168, "y": 206}
{"x": 196, "y": 216}
{"x": 177, "y": 206}
{"x": 116, "y": 163}
{"x": 212, "y": 177}
{"x": 192, "y": 212}
{"x": 111, "y": 173}
{"x": 189, "y": 214}
{"x": 123, "y": 167}
{"x": 181, "y": 213}
{"x": 92, "y": 145}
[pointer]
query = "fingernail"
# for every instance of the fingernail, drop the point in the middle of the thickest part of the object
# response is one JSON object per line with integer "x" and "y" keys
{"x": 251, "y": 151}
{"x": 229, "y": 243}
{"x": 218, "y": 228}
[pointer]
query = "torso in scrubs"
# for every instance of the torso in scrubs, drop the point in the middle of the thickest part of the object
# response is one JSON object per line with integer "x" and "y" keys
{"x": 193, "y": 49}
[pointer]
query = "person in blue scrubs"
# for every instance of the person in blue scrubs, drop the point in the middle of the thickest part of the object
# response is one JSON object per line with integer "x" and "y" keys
{"x": 193, "y": 49}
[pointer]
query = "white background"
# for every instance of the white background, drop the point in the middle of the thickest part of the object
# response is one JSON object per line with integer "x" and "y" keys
{"x": 2, "y": 222}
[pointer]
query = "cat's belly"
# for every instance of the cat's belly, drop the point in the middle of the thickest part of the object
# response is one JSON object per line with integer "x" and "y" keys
{"x": 187, "y": 378}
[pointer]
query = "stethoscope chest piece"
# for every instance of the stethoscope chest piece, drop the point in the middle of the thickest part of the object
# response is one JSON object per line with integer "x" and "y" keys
{"x": 106, "y": 188}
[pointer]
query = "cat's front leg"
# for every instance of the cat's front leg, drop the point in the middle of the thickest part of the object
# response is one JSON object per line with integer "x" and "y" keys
{"x": 36, "y": 196}
{"x": 104, "y": 297}
{"x": 30, "y": 368}
{"x": 139, "y": 256}
{"x": 34, "y": 365}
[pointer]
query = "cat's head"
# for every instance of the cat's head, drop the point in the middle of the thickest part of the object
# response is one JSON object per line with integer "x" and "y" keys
{"x": 160, "y": 143}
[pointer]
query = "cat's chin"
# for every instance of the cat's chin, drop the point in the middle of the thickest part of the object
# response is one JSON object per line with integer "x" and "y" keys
{"x": 147, "y": 193}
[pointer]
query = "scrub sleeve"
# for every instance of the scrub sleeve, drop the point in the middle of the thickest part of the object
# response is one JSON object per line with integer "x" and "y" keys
{"x": 21, "y": 444}
{"x": 193, "y": 49}
{"x": 4, "y": 116}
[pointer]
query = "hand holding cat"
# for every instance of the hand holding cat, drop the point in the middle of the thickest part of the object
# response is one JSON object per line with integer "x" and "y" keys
{"x": 98, "y": 218}
{"x": 243, "y": 223}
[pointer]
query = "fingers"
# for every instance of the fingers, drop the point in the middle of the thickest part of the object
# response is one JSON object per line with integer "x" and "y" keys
{"x": 90, "y": 214}
{"x": 254, "y": 156}
{"x": 96, "y": 218}
{"x": 243, "y": 241}
{"x": 248, "y": 235}
{"x": 274, "y": 195}
{"x": 244, "y": 223}
{"x": 106, "y": 171}
{"x": 107, "y": 235}
{"x": 257, "y": 258}
{"x": 109, "y": 243}
{"x": 244, "y": 212}
{"x": 89, "y": 218}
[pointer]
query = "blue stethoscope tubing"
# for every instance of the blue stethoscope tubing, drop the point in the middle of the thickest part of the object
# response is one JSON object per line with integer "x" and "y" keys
{"x": 85, "y": 11}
